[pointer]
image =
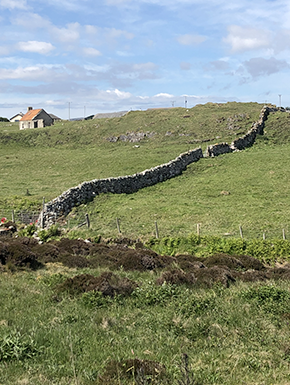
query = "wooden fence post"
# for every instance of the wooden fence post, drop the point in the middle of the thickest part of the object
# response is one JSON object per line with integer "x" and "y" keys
{"x": 88, "y": 220}
{"x": 42, "y": 214}
{"x": 241, "y": 232}
{"x": 198, "y": 229}
{"x": 284, "y": 235}
{"x": 118, "y": 225}
{"x": 156, "y": 230}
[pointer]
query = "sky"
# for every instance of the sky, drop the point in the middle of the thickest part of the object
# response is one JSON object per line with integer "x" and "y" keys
{"x": 75, "y": 58}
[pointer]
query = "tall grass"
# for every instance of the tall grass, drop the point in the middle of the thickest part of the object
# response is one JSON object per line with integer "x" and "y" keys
{"x": 231, "y": 336}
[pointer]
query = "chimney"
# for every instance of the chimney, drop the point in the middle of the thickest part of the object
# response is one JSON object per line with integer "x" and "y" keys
{"x": 29, "y": 109}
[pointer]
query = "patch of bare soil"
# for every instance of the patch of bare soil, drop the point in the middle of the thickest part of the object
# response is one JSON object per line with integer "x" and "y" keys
{"x": 136, "y": 370}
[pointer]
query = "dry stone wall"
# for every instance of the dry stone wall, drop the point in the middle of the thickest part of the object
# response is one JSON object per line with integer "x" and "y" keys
{"x": 87, "y": 191}
{"x": 245, "y": 141}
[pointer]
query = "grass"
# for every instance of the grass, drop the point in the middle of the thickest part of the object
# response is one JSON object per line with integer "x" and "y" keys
{"x": 231, "y": 337}
{"x": 238, "y": 335}
{"x": 248, "y": 189}
{"x": 45, "y": 162}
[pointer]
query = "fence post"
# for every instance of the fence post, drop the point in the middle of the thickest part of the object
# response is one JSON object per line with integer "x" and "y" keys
{"x": 284, "y": 235}
{"x": 264, "y": 236}
{"x": 241, "y": 232}
{"x": 42, "y": 214}
{"x": 118, "y": 225}
{"x": 88, "y": 220}
{"x": 156, "y": 230}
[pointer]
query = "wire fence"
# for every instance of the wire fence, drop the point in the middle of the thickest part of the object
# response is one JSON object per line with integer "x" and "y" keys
{"x": 157, "y": 228}
{"x": 23, "y": 216}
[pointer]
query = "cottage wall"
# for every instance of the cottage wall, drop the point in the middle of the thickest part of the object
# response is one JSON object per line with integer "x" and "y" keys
{"x": 45, "y": 119}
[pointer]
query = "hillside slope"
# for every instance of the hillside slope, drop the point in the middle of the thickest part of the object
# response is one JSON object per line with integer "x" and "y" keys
{"x": 247, "y": 188}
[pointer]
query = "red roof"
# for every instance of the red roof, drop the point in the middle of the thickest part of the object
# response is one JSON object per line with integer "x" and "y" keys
{"x": 30, "y": 115}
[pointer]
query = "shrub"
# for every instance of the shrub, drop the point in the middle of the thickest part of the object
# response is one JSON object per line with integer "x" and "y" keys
{"x": 53, "y": 231}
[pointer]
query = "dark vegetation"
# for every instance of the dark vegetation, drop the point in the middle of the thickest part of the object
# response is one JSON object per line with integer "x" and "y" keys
{"x": 26, "y": 253}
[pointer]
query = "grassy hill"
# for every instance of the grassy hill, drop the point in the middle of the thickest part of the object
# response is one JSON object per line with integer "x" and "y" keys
{"x": 162, "y": 326}
{"x": 247, "y": 189}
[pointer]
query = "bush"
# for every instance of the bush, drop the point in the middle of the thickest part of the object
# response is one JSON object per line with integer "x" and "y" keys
{"x": 53, "y": 231}
{"x": 28, "y": 231}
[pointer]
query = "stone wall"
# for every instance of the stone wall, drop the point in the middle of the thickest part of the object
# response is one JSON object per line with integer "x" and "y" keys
{"x": 245, "y": 141}
{"x": 87, "y": 191}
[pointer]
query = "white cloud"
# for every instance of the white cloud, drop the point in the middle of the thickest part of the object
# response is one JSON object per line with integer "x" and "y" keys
{"x": 40, "y": 47}
{"x": 119, "y": 94}
{"x": 91, "y": 29}
{"x": 124, "y": 53}
{"x": 68, "y": 34}
{"x": 90, "y": 51}
{"x": 114, "y": 33}
{"x": 191, "y": 39}
{"x": 33, "y": 73}
{"x": 163, "y": 95}
{"x": 35, "y": 21}
{"x": 13, "y": 4}
{"x": 246, "y": 38}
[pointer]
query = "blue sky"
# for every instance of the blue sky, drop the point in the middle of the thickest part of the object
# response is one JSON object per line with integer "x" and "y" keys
{"x": 87, "y": 56}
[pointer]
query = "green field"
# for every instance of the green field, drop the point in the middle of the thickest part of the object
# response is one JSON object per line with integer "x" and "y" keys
{"x": 238, "y": 335}
{"x": 248, "y": 188}
{"x": 231, "y": 335}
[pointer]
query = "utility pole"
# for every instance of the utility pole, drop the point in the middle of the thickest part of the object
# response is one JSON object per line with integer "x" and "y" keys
{"x": 280, "y": 105}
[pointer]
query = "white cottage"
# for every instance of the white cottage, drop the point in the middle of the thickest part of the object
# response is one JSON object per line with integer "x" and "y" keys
{"x": 16, "y": 117}
{"x": 35, "y": 119}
